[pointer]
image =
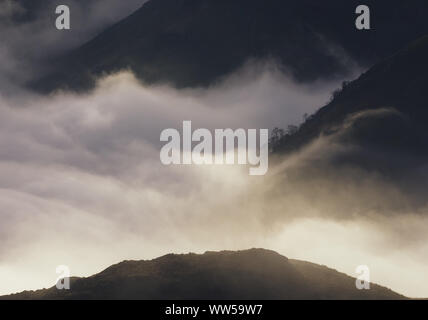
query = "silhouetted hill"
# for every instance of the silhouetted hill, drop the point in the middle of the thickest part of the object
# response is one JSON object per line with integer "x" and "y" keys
{"x": 196, "y": 42}
{"x": 251, "y": 274}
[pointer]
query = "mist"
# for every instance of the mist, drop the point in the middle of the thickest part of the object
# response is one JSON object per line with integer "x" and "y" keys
{"x": 82, "y": 185}
{"x": 30, "y": 41}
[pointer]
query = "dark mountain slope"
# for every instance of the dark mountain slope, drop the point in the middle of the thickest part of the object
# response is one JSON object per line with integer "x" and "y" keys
{"x": 251, "y": 274}
{"x": 396, "y": 93}
{"x": 196, "y": 42}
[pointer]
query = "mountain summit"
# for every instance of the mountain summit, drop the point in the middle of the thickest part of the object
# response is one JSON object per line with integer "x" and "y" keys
{"x": 250, "y": 274}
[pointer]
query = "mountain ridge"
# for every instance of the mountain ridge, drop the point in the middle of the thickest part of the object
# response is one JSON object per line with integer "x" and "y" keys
{"x": 396, "y": 84}
{"x": 191, "y": 43}
{"x": 247, "y": 274}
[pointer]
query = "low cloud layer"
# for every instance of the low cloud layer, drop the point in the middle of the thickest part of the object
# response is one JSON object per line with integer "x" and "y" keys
{"x": 82, "y": 185}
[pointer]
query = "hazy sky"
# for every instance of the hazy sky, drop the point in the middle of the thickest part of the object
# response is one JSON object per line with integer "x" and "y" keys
{"x": 81, "y": 183}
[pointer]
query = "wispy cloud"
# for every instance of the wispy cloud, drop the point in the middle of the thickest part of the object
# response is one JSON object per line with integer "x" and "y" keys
{"x": 82, "y": 183}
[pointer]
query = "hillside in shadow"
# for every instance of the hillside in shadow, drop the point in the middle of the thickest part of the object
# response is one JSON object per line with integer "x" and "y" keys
{"x": 191, "y": 43}
{"x": 250, "y": 274}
